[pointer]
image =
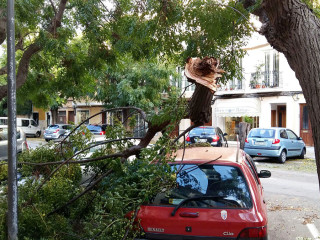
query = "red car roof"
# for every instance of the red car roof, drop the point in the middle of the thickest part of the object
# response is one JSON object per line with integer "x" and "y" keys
{"x": 205, "y": 154}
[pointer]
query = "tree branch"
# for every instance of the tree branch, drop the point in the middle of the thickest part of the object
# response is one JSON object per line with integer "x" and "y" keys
{"x": 35, "y": 47}
{"x": 53, "y": 7}
{"x": 3, "y": 25}
{"x": 82, "y": 193}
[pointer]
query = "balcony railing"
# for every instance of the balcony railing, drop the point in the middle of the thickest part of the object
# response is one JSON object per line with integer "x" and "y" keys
{"x": 267, "y": 79}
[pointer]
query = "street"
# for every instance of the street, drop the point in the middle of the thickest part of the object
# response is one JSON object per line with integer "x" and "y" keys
{"x": 293, "y": 202}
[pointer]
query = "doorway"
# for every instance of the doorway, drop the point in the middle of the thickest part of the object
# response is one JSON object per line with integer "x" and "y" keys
{"x": 305, "y": 125}
{"x": 282, "y": 115}
{"x": 71, "y": 117}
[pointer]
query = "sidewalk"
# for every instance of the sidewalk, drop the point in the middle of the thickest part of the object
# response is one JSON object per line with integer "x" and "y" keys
{"x": 310, "y": 153}
{"x": 310, "y": 150}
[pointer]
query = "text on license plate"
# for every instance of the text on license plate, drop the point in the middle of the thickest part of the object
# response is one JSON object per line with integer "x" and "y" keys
{"x": 260, "y": 143}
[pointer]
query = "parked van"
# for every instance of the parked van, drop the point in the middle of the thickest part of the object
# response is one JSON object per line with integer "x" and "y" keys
{"x": 27, "y": 125}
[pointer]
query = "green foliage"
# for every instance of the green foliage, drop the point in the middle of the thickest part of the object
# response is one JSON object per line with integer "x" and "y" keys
{"x": 139, "y": 84}
{"x": 99, "y": 214}
{"x": 125, "y": 52}
{"x": 3, "y": 171}
{"x": 248, "y": 119}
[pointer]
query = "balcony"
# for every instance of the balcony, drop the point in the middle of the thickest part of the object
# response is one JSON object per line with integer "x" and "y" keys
{"x": 269, "y": 79}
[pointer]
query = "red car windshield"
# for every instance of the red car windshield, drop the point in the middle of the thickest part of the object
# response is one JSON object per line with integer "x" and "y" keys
{"x": 213, "y": 186}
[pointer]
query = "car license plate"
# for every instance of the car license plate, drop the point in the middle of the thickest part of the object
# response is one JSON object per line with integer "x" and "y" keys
{"x": 202, "y": 140}
{"x": 260, "y": 143}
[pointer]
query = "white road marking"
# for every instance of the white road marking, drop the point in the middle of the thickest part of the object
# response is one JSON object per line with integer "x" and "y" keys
{"x": 313, "y": 230}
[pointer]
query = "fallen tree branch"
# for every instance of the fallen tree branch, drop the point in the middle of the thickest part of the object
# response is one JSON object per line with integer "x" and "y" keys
{"x": 82, "y": 193}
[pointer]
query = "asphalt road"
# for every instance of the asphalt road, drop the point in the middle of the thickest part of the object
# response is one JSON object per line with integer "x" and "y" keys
{"x": 293, "y": 202}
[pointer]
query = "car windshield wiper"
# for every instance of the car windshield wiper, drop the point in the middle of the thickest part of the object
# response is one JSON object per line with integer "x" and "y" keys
{"x": 255, "y": 136}
{"x": 195, "y": 199}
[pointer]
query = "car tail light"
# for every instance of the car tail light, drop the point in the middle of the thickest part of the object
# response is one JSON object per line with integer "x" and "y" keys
{"x": 56, "y": 131}
{"x": 27, "y": 146}
{"x": 188, "y": 139}
{"x": 259, "y": 233}
{"x": 247, "y": 141}
{"x": 215, "y": 138}
{"x": 102, "y": 133}
{"x": 275, "y": 141}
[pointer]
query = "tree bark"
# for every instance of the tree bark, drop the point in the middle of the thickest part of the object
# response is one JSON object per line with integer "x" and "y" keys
{"x": 292, "y": 28}
{"x": 3, "y": 25}
{"x": 200, "y": 110}
{"x": 244, "y": 129}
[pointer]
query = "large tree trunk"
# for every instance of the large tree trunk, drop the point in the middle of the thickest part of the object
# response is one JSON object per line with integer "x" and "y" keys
{"x": 200, "y": 110}
{"x": 202, "y": 72}
{"x": 292, "y": 28}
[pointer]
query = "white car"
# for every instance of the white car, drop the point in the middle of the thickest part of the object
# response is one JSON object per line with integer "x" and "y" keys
{"x": 22, "y": 144}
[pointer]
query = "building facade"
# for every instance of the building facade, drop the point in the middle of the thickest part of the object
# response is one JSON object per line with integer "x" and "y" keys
{"x": 268, "y": 95}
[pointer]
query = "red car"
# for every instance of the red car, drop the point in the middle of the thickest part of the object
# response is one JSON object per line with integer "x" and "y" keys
{"x": 218, "y": 196}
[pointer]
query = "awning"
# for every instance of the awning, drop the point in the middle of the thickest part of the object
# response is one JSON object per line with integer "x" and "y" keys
{"x": 237, "y": 107}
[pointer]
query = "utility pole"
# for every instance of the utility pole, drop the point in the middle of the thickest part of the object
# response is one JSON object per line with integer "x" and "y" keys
{"x": 12, "y": 127}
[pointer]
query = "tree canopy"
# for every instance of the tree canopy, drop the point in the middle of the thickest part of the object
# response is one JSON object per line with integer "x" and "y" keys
{"x": 78, "y": 48}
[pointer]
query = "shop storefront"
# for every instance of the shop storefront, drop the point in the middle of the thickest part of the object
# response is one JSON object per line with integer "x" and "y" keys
{"x": 228, "y": 113}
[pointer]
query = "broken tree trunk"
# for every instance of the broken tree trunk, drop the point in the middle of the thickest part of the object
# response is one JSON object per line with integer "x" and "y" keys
{"x": 244, "y": 129}
{"x": 202, "y": 72}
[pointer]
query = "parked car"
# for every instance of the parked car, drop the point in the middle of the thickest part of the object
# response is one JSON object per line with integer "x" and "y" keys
{"x": 212, "y": 135}
{"x": 22, "y": 144}
{"x": 29, "y": 126}
{"x": 97, "y": 129}
{"x": 278, "y": 143}
{"x": 56, "y": 131}
{"x": 218, "y": 196}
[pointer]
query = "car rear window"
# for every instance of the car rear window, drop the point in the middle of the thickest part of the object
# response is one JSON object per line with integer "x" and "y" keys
{"x": 216, "y": 186}
{"x": 94, "y": 128}
{"x": 53, "y": 126}
{"x": 199, "y": 131}
{"x": 262, "y": 133}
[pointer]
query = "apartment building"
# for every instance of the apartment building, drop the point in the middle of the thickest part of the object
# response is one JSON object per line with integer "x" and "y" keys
{"x": 268, "y": 95}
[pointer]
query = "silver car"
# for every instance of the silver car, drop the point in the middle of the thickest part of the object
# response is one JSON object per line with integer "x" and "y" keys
{"x": 279, "y": 143}
{"x": 22, "y": 144}
{"x": 56, "y": 131}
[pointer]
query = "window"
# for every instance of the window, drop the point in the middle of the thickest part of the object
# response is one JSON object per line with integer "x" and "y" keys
{"x": 305, "y": 118}
{"x": 83, "y": 115}
{"x": 276, "y": 69}
{"x": 224, "y": 187}
{"x": 253, "y": 169}
{"x": 267, "y": 69}
{"x": 33, "y": 123}
{"x": 262, "y": 133}
{"x": 25, "y": 123}
{"x": 202, "y": 131}
{"x": 271, "y": 67}
{"x": 291, "y": 135}
{"x": 283, "y": 134}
